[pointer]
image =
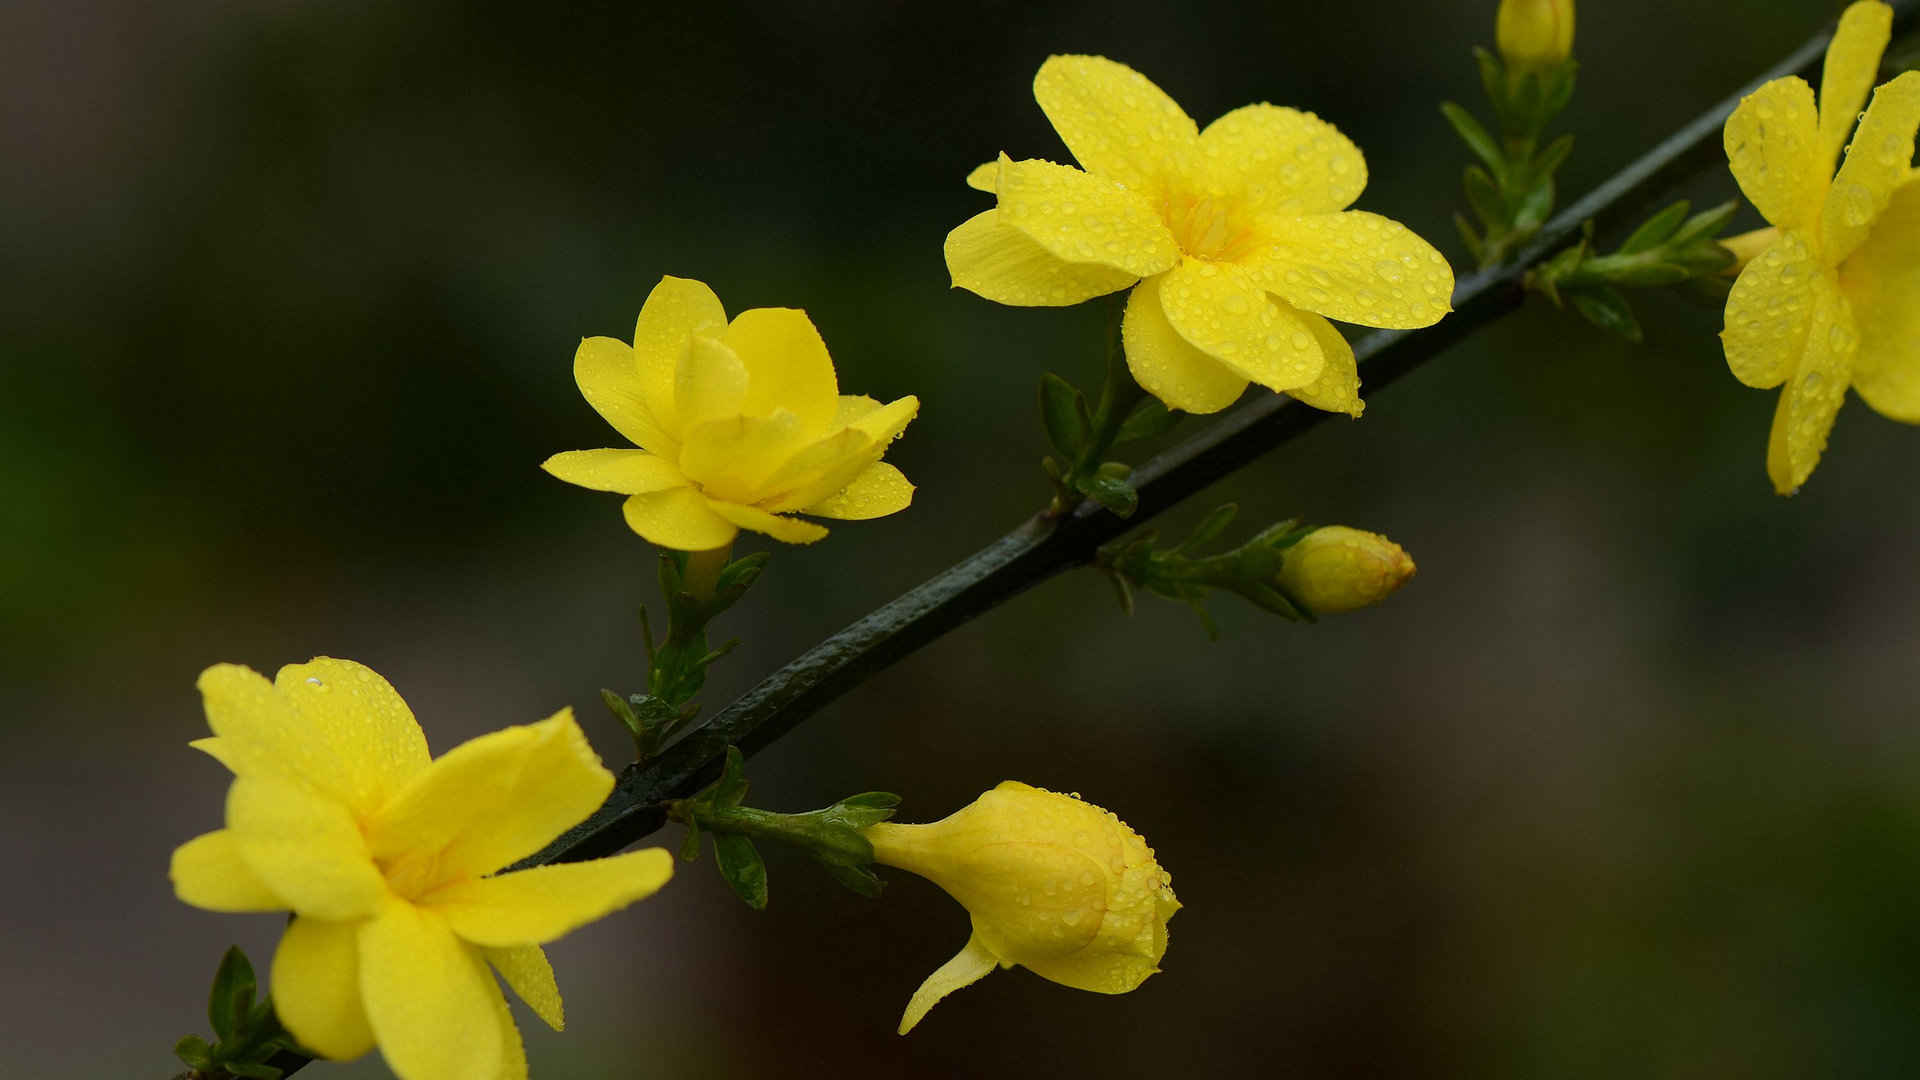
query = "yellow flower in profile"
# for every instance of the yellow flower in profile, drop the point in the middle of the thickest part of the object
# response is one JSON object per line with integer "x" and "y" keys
{"x": 1830, "y": 301}
{"x": 1534, "y": 34}
{"x": 1235, "y": 240}
{"x": 739, "y": 424}
{"x": 1054, "y": 884}
{"x": 1335, "y": 568}
{"x": 389, "y": 862}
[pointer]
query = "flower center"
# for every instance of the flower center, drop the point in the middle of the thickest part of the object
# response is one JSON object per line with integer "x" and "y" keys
{"x": 1206, "y": 227}
{"x": 413, "y": 874}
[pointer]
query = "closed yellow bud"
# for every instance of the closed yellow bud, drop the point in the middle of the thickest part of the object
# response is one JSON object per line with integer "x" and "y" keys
{"x": 1534, "y": 34}
{"x": 1334, "y": 569}
{"x": 1056, "y": 885}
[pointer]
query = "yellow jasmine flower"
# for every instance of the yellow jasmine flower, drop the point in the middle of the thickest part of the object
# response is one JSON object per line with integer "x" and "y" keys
{"x": 1235, "y": 240}
{"x": 1334, "y": 569}
{"x": 388, "y": 861}
{"x": 1534, "y": 34}
{"x": 739, "y": 424}
{"x": 1057, "y": 885}
{"x": 1829, "y": 301}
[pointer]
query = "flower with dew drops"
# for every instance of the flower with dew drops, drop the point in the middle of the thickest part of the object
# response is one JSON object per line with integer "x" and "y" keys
{"x": 1828, "y": 301}
{"x": 739, "y": 424}
{"x": 1335, "y": 568}
{"x": 1054, "y": 884}
{"x": 391, "y": 864}
{"x": 1236, "y": 240}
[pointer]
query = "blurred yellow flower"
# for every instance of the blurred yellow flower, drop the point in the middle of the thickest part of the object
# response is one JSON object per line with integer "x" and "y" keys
{"x": 1334, "y": 569}
{"x": 1534, "y": 34}
{"x": 1830, "y": 300}
{"x": 1052, "y": 883}
{"x": 739, "y": 423}
{"x": 1236, "y": 240}
{"x": 388, "y": 862}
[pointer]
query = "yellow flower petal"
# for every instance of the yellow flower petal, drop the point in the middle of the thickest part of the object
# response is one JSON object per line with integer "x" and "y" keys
{"x": 209, "y": 872}
{"x": 629, "y": 472}
{"x": 513, "y": 1051}
{"x": 433, "y": 1005}
{"x": 1115, "y": 120}
{"x": 1221, "y": 312}
{"x": 969, "y": 966}
{"x": 531, "y": 907}
{"x": 787, "y": 530}
{"x": 1084, "y": 218}
{"x": 1355, "y": 267}
{"x": 362, "y": 740}
{"x": 1813, "y": 395}
{"x": 526, "y": 969}
{"x": 879, "y": 490}
{"x": 216, "y": 748}
{"x": 787, "y": 366}
{"x": 1853, "y": 63}
{"x": 883, "y": 425}
{"x": 1290, "y": 162}
{"x": 316, "y": 987}
{"x": 817, "y": 471}
{"x": 1165, "y": 365}
{"x": 711, "y": 383}
{"x": 495, "y": 799}
{"x": 678, "y": 518}
{"x": 1337, "y": 389}
{"x": 609, "y": 377}
{"x": 984, "y": 177}
{"x": 1768, "y": 313}
{"x": 731, "y": 458}
{"x": 305, "y": 848}
{"x": 852, "y": 408}
{"x": 988, "y": 257}
{"x": 1881, "y": 281}
{"x": 1879, "y": 160}
{"x": 675, "y": 310}
{"x": 1772, "y": 142}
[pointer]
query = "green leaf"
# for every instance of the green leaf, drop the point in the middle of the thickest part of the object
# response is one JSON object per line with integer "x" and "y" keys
{"x": 731, "y": 788}
{"x": 860, "y": 879}
{"x": 1608, "y": 310}
{"x": 1493, "y": 76}
{"x": 737, "y": 577}
{"x": 194, "y": 1052}
{"x": 1112, "y": 492}
{"x": 1475, "y": 136}
{"x": 1149, "y": 419}
{"x": 690, "y": 844}
{"x": 1467, "y": 235}
{"x": 1124, "y": 590}
{"x": 856, "y": 812}
{"x": 1706, "y": 223}
{"x": 1559, "y": 89}
{"x": 1535, "y": 206}
{"x": 252, "y": 1070}
{"x": 741, "y": 865}
{"x": 1657, "y": 229}
{"x": 1555, "y": 155}
{"x": 1210, "y": 526}
{"x": 1648, "y": 274}
{"x": 232, "y": 996}
{"x": 622, "y": 711}
{"x": 1063, "y": 408}
{"x": 1484, "y": 196}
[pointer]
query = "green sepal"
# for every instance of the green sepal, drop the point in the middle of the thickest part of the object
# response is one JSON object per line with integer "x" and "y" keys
{"x": 1607, "y": 309}
{"x": 690, "y": 844}
{"x": 1468, "y": 236}
{"x": 736, "y": 578}
{"x": 1149, "y": 419}
{"x": 1211, "y": 526}
{"x": 1483, "y": 195}
{"x": 1111, "y": 490}
{"x": 740, "y": 864}
{"x": 1476, "y": 137}
{"x": 731, "y": 788}
{"x": 232, "y": 997}
{"x": 860, "y": 879}
{"x": 1534, "y": 206}
{"x": 1063, "y": 408}
{"x": 1657, "y": 229}
{"x": 857, "y": 812}
{"x": 194, "y": 1052}
{"x": 1549, "y": 160}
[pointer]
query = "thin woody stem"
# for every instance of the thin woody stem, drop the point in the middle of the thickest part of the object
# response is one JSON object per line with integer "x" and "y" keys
{"x": 1043, "y": 546}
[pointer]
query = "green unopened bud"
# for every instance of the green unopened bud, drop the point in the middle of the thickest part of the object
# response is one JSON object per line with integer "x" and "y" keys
{"x": 1335, "y": 568}
{"x": 1534, "y": 34}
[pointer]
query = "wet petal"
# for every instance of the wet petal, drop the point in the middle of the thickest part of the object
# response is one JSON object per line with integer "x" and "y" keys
{"x": 1355, "y": 267}
{"x": 1772, "y": 142}
{"x": 209, "y": 872}
{"x": 879, "y": 490}
{"x": 1290, "y": 162}
{"x": 732, "y": 458}
{"x": 1813, "y": 395}
{"x": 1219, "y": 311}
{"x": 1166, "y": 365}
{"x": 1768, "y": 313}
{"x": 969, "y": 966}
{"x": 1337, "y": 389}
{"x": 678, "y": 518}
{"x": 609, "y": 378}
{"x": 1881, "y": 281}
{"x": 1083, "y": 218}
{"x": 994, "y": 260}
{"x": 1853, "y": 64}
{"x": 629, "y": 472}
{"x": 1115, "y": 120}
{"x": 675, "y": 310}
{"x": 305, "y": 848}
{"x": 787, "y": 530}
{"x": 525, "y": 968}
{"x": 430, "y": 1000}
{"x": 711, "y": 383}
{"x": 984, "y": 177}
{"x": 316, "y": 987}
{"x": 787, "y": 366}
{"x": 535, "y": 906}
{"x": 1879, "y": 161}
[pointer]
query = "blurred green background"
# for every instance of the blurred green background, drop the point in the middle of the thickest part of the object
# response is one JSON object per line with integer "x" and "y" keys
{"x": 1627, "y": 782}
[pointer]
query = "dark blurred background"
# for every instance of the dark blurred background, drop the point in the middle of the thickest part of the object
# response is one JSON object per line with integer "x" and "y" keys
{"x": 1627, "y": 782}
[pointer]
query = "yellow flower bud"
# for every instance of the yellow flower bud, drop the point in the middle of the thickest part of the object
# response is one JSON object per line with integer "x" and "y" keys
{"x": 1534, "y": 34}
{"x": 1057, "y": 885}
{"x": 1334, "y": 569}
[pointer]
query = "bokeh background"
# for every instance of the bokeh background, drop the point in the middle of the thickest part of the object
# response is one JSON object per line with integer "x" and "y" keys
{"x": 1627, "y": 782}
